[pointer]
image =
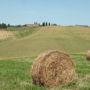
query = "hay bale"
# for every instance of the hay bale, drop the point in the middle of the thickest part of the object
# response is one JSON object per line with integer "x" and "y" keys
{"x": 88, "y": 55}
{"x": 53, "y": 68}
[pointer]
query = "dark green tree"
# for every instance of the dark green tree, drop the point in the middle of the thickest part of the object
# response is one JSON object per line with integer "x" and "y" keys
{"x": 8, "y": 25}
{"x": 46, "y": 24}
{"x": 3, "y": 25}
{"x": 49, "y": 24}
{"x": 43, "y": 24}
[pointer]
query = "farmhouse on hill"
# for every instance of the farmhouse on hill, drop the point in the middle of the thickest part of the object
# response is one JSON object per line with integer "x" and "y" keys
{"x": 32, "y": 25}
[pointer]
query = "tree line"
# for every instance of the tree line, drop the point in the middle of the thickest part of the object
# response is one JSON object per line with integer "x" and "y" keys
{"x": 45, "y": 24}
{"x": 3, "y": 25}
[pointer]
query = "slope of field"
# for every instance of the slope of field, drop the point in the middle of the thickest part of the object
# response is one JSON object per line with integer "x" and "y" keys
{"x": 32, "y": 41}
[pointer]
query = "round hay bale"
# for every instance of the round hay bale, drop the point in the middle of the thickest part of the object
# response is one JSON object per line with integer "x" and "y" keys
{"x": 53, "y": 68}
{"x": 88, "y": 55}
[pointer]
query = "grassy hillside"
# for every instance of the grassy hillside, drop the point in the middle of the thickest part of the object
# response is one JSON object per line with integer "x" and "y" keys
{"x": 15, "y": 74}
{"x": 32, "y": 41}
{"x": 17, "y": 54}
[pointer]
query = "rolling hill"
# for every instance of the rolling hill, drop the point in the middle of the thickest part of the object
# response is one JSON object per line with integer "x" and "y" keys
{"x": 32, "y": 41}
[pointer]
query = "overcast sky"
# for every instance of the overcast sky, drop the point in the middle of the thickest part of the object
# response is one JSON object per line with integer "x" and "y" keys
{"x": 63, "y": 12}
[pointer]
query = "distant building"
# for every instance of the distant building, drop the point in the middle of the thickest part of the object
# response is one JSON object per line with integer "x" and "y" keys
{"x": 83, "y": 25}
{"x": 32, "y": 25}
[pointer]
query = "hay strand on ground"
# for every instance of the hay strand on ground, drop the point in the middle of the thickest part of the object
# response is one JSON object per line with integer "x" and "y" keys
{"x": 53, "y": 68}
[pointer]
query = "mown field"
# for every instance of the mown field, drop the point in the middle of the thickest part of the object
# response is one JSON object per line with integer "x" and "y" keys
{"x": 32, "y": 41}
{"x": 15, "y": 74}
{"x": 18, "y": 52}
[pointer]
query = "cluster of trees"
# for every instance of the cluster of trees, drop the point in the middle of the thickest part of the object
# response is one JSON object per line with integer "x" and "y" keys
{"x": 45, "y": 24}
{"x": 48, "y": 24}
{"x": 3, "y": 25}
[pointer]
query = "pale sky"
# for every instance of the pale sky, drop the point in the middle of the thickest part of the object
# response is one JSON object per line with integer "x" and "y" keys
{"x": 63, "y": 12}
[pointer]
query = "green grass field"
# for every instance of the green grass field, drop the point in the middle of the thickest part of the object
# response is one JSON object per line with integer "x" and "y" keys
{"x": 15, "y": 74}
{"x": 18, "y": 53}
